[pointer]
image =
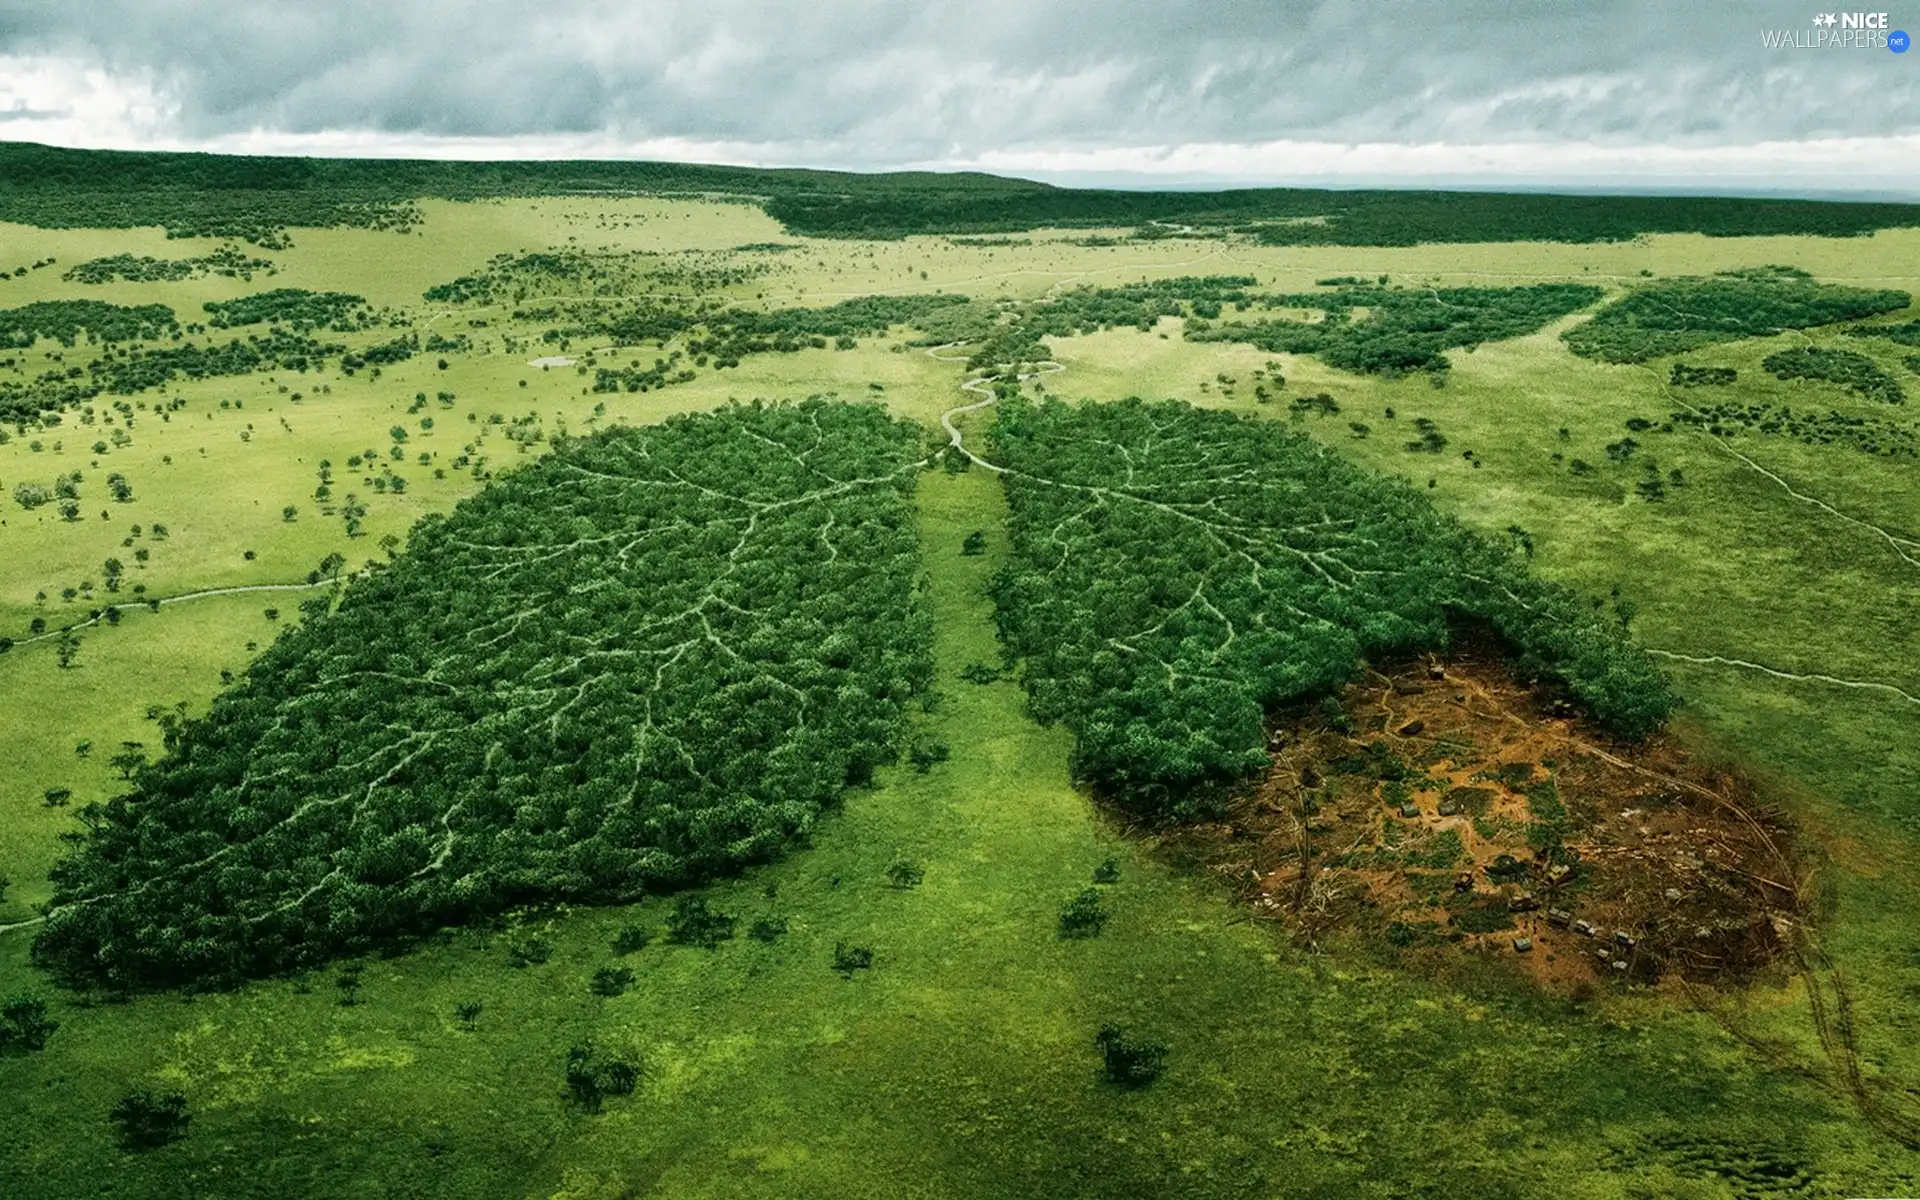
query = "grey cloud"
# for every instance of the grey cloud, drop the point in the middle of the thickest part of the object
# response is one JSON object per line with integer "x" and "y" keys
{"x": 871, "y": 83}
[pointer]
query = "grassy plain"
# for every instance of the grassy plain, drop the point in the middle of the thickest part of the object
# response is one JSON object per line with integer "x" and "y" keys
{"x": 962, "y": 1064}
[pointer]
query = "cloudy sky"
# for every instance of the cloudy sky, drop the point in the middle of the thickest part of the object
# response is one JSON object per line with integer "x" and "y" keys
{"x": 1634, "y": 93}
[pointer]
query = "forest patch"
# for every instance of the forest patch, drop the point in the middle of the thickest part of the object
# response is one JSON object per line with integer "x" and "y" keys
{"x": 1671, "y": 316}
{"x": 1178, "y": 573}
{"x": 652, "y": 657}
{"x": 1404, "y": 329}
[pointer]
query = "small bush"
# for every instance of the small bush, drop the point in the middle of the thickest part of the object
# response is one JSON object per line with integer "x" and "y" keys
{"x": 693, "y": 923}
{"x": 927, "y": 754}
{"x": 1127, "y": 1062}
{"x": 530, "y": 952}
{"x": 24, "y": 1027}
{"x": 611, "y": 981}
{"x": 768, "y": 929}
{"x": 148, "y": 1120}
{"x": 1083, "y": 917}
{"x": 630, "y": 939}
{"x": 589, "y": 1083}
{"x": 848, "y": 959}
{"x": 1107, "y": 872}
{"x": 905, "y": 873}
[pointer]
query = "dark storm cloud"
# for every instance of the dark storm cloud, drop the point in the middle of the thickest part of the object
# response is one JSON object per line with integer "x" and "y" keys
{"x": 867, "y": 83}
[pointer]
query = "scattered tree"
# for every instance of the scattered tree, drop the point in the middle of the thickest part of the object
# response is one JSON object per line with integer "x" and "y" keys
{"x": 148, "y": 1120}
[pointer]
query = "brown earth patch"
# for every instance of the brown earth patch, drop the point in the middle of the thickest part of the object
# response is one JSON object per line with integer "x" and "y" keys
{"x": 1450, "y": 810}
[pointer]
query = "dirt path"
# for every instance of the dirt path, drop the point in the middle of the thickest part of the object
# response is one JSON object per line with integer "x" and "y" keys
{"x": 978, "y": 386}
{"x": 146, "y": 603}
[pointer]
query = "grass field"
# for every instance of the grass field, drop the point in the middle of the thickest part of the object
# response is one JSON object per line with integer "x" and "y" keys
{"x": 1780, "y": 578}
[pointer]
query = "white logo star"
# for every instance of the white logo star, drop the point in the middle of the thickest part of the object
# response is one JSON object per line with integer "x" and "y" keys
{"x": 1827, "y": 19}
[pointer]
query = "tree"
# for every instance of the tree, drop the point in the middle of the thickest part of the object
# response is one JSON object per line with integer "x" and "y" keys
{"x": 589, "y": 1083}
{"x": 630, "y": 939}
{"x": 148, "y": 1120}
{"x": 468, "y": 1013}
{"x": 24, "y": 1027}
{"x": 289, "y": 513}
{"x": 974, "y": 543}
{"x": 905, "y": 873}
{"x": 121, "y": 490}
{"x": 132, "y": 757}
{"x": 66, "y": 648}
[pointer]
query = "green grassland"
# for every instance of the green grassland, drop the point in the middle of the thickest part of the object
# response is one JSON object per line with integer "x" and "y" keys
{"x": 962, "y": 1063}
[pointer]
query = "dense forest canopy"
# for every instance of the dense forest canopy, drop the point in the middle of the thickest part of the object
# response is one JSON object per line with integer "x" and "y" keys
{"x": 298, "y": 307}
{"x": 1855, "y": 372}
{"x": 228, "y": 261}
{"x": 1179, "y": 573}
{"x": 654, "y": 656}
{"x": 258, "y": 198}
{"x": 64, "y": 321}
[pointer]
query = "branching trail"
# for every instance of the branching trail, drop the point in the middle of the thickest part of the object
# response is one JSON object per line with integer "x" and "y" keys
{"x": 1902, "y": 547}
{"x": 1718, "y": 660}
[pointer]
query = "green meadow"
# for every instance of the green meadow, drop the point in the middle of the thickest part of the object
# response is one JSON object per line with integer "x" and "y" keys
{"x": 1778, "y": 580}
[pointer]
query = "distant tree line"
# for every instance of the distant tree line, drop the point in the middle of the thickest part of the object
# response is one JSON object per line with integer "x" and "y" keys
{"x": 258, "y": 198}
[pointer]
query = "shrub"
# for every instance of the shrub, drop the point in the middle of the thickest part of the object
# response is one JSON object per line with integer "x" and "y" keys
{"x": 148, "y": 1120}
{"x": 1082, "y": 917}
{"x": 529, "y": 952}
{"x": 24, "y": 1026}
{"x": 693, "y": 923}
{"x": 1128, "y": 1062}
{"x": 591, "y": 1080}
{"x": 848, "y": 959}
{"x": 611, "y": 981}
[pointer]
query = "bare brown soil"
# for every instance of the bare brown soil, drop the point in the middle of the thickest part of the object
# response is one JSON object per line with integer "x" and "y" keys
{"x": 1453, "y": 811}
